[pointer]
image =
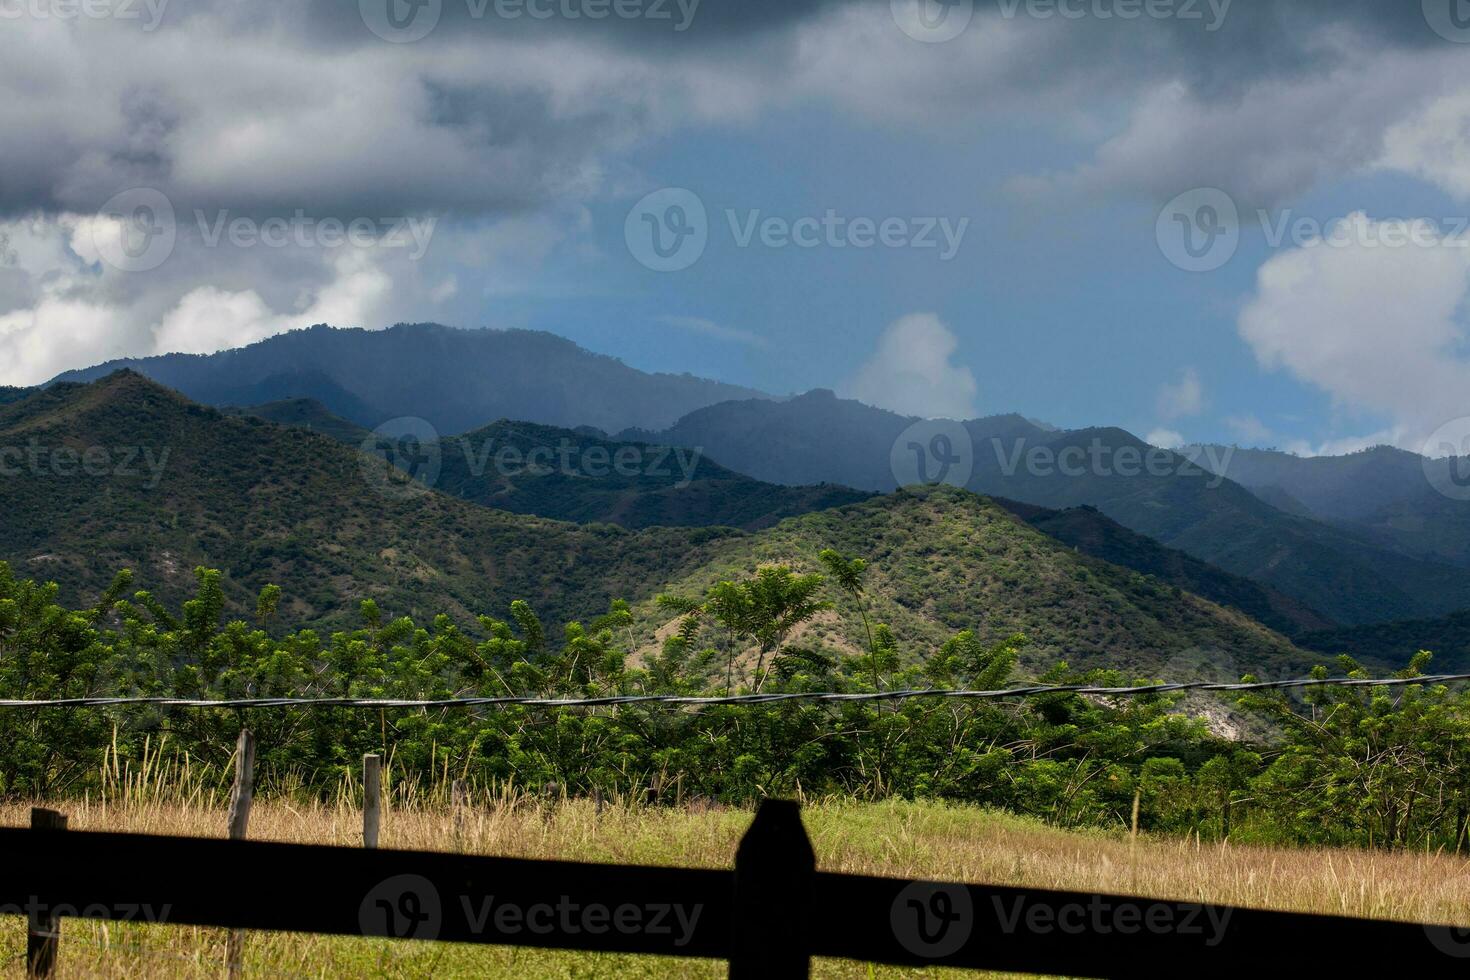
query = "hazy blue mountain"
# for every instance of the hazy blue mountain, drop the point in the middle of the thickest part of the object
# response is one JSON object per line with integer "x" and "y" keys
{"x": 1334, "y": 488}
{"x": 455, "y": 379}
{"x": 1342, "y": 573}
{"x": 1093, "y": 533}
{"x": 580, "y": 475}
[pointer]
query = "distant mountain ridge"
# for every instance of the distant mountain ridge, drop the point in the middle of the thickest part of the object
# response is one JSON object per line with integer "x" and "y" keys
{"x": 576, "y": 475}
{"x": 268, "y": 503}
{"x": 455, "y": 379}
{"x": 1345, "y": 574}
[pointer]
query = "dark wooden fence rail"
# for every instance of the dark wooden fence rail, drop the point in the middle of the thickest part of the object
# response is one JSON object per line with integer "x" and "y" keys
{"x": 768, "y": 916}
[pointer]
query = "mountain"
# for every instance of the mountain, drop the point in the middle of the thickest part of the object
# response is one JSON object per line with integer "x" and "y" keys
{"x": 1090, "y": 531}
{"x": 1395, "y": 643}
{"x": 309, "y": 414}
{"x": 175, "y": 485}
{"x": 10, "y": 394}
{"x": 165, "y": 484}
{"x": 1382, "y": 494}
{"x": 455, "y": 379}
{"x": 1343, "y": 488}
{"x": 1341, "y": 572}
{"x": 815, "y": 437}
{"x": 576, "y": 475}
{"x": 657, "y": 486}
{"x": 943, "y": 559}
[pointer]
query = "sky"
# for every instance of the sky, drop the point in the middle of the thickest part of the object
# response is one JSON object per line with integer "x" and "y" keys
{"x": 1201, "y": 220}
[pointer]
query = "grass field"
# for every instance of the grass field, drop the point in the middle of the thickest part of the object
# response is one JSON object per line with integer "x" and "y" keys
{"x": 896, "y": 839}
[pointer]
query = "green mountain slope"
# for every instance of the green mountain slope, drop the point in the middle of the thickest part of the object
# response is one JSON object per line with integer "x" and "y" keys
{"x": 331, "y": 526}
{"x": 1090, "y": 531}
{"x": 184, "y": 485}
{"x": 1337, "y": 571}
{"x": 306, "y": 413}
{"x": 944, "y": 559}
{"x": 572, "y": 475}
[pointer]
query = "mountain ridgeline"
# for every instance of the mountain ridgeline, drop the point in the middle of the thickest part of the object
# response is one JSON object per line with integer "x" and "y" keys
{"x": 1345, "y": 573}
{"x": 454, "y": 379}
{"x": 331, "y": 525}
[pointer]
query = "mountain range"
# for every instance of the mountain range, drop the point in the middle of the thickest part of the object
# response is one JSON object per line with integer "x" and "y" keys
{"x": 454, "y": 379}
{"x": 1304, "y": 545}
{"x": 271, "y": 503}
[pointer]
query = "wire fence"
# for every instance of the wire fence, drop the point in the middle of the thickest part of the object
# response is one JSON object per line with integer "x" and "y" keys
{"x": 701, "y": 701}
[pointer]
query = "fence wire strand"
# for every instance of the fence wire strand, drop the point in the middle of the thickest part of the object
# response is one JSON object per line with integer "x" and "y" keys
{"x": 699, "y": 701}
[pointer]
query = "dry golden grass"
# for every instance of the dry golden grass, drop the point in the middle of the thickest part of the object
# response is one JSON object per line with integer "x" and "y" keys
{"x": 897, "y": 839}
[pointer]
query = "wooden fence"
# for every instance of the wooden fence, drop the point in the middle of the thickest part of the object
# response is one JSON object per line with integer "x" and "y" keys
{"x": 768, "y": 916}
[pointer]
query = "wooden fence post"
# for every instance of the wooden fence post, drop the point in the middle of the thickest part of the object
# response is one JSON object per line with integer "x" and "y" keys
{"x": 372, "y": 798}
{"x": 774, "y": 872}
{"x": 43, "y": 930}
{"x": 242, "y": 795}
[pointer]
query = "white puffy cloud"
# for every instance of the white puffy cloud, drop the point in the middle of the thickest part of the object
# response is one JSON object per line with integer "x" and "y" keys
{"x": 912, "y": 372}
{"x": 1164, "y": 439}
{"x": 1372, "y": 318}
{"x": 1183, "y": 397}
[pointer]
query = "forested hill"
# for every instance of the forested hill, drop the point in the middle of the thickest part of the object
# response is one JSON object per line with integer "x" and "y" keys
{"x": 176, "y": 485}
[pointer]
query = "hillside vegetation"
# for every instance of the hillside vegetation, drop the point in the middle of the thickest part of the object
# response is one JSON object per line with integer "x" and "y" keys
{"x": 267, "y": 504}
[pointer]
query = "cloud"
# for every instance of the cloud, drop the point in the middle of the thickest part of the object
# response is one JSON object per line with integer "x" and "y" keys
{"x": 709, "y": 328}
{"x": 1185, "y": 397}
{"x": 1375, "y": 325}
{"x": 63, "y": 306}
{"x": 911, "y": 372}
{"x": 1164, "y": 439}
